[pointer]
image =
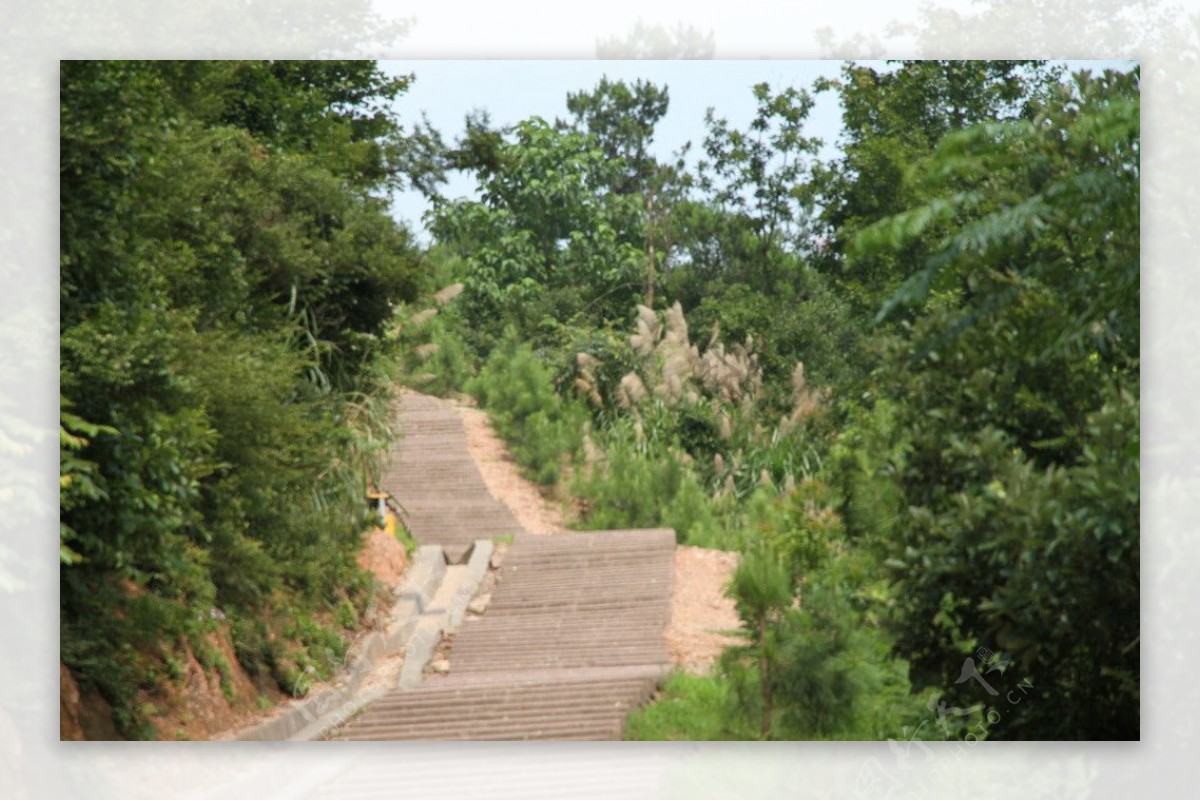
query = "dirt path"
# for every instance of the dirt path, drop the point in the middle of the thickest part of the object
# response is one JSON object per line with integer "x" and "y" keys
{"x": 700, "y": 612}
{"x": 503, "y": 477}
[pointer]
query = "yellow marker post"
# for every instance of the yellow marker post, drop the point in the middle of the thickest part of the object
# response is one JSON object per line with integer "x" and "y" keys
{"x": 387, "y": 518}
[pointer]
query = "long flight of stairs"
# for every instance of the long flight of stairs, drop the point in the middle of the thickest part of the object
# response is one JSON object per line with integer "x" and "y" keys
{"x": 572, "y": 639}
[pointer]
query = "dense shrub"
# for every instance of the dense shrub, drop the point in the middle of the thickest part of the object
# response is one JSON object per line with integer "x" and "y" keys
{"x": 645, "y": 484}
{"x": 543, "y": 429}
{"x": 228, "y": 270}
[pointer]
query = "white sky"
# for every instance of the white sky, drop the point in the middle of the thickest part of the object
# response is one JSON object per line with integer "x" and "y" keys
{"x": 556, "y": 29}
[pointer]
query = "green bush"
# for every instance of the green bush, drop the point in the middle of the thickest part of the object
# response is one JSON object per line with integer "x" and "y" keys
{"x": 687, "y": 708}
{"x": 816, "y": 660}
{"x": 644, "y": 486}
{"x": 345, "y": 615}
{"x": 253, "y": 647}
{"x": 542, "y": 429}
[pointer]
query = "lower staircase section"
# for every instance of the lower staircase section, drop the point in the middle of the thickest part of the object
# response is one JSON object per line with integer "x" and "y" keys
{"x": 571, "y": 641}
{"x": 560, "y": 707}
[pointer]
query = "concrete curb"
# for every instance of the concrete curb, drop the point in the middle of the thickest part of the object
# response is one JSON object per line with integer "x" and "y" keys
{"x": 478, "y": 559}
{"x": 445, "y": 611}
{"x": 429, "y": 565}
{"x": 433, "y": 600}
{"x": 420, "y": 649}
{"x": 309, "y": 718}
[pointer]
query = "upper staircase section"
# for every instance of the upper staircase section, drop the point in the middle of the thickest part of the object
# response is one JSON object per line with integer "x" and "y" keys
{"x": 444, "y": 500}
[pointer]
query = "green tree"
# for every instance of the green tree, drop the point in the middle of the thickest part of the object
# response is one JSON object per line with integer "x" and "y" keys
{"x": 892, "y": 117}
{"x": 762, "y": 588}
{"x": 548, "y": 243}
{"x": 227, "y": 272}
{"x": 757, "y": 178}
{"x": 623, "y": 118}
{"x": 815, "y": 664}
{"x": 1016, "y": 391}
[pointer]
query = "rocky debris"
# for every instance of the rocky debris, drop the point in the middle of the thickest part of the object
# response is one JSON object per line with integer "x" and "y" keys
{"x": 479, "y": 605}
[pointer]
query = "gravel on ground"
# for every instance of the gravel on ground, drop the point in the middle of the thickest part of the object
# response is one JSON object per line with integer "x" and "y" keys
{"x": 702, "y": 616}
{"x": 503, "y": 478}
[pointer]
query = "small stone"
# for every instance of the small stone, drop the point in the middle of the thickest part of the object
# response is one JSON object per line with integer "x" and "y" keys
{"x": 478, "y": 605}
{"x": 440, "y": 666}
{"x": 496, "y": 560}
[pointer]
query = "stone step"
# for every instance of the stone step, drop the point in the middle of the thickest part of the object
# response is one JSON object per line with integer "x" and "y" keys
{"x": 510, "y": 693}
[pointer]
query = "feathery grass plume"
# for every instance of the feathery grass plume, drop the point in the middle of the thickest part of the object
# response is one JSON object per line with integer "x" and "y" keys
{"x": 798, "y": 382}
{"x": 586, "y": 383}
{"x": 718, "y": 465}
{"x": 420, "y": 318}
{"x": 712, "y": 365}
{"x": 447, "y": 294}
{"x": 591, "y": 454}
{"x": 670, "y": 388}
{"x": 675, "y": 371}
{"x": 676, "y": 324}
{"x": 676, "y": 358}
{"x": 423, "y": 352}
{"x": 649, "y": 330}
{"x": 789, "y": 484}
{"x": 764, "y": 478}
{"x": 805, "y": 401}
{"x": 732, "y": 373}
{"x": 632, "y": 390}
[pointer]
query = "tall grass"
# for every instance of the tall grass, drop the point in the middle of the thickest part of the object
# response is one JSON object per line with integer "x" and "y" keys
{"x": 636, "y": 483}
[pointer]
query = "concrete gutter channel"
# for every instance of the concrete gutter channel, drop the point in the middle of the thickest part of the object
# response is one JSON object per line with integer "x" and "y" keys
{"x": 432, "y": 601}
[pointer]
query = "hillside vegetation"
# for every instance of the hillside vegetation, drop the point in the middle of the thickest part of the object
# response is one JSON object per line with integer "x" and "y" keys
{"x": 228, "y": 275}
{"x": 903, "y": 383}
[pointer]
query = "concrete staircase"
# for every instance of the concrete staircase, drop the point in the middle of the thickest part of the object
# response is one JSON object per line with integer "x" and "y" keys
{"x": 572, "y": 639}
{"x": 432, "y": 475}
